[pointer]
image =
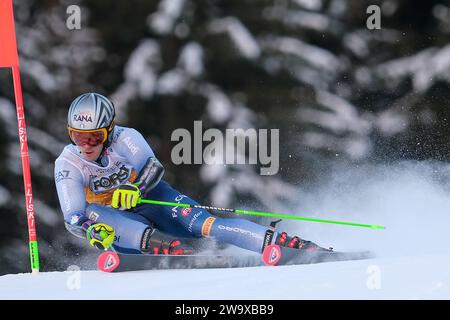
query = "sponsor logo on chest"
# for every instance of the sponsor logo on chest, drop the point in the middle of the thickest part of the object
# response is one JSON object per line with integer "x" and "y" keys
{"x": 111, "y": 178}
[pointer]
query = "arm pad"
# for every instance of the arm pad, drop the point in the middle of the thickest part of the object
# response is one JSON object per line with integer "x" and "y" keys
{"x": 149, "y": 176}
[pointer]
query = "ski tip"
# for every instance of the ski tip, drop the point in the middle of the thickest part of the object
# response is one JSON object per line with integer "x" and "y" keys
{"x": 108, "y": 261}
{"x": 271, "y": 255}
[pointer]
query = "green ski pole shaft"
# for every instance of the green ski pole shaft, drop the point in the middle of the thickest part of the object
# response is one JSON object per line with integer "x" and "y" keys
{"x": 263, "y": 214}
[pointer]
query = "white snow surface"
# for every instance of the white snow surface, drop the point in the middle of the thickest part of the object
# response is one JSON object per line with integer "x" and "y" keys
{"x": 414, "y": 277}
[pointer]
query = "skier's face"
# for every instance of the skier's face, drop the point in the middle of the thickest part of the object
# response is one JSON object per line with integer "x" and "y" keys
{"x": 89, "y": 152}
{"x": 89, "y": 142}
{"x": 91, "y": 137}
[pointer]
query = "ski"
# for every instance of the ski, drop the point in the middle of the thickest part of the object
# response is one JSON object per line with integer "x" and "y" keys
{"x": 272, "y": 256}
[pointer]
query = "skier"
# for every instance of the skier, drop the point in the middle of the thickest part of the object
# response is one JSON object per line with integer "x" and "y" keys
{"x": 106, "y": 168}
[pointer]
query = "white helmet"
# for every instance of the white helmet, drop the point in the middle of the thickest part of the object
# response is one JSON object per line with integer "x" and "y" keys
{"x": 91, "y": 113}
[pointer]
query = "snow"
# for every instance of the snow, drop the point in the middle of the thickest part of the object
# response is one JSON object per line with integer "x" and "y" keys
{"x": 304, "y": 19}
{"x": 53, "y": 57}
{"x": 390, "y": 122}
{"x": 361, "y": 41}
{"x": 350, "y": 129}
{"x": 5, "y": 196}
{"x": 171, "y": 82}
{"x": 423, "y": 277}
{"x": 140, "y": 76}
{"x": 191, "y": 59}
{"x": 425, "y": 68}
{"x": 143, "y": 65}
{"x": 164, "y": 19}
{"x": 219, "y": 106}
{"x": 313, "y": 55}
{"x": 44, "y": 140}
{"x": 47, "y": 214}
{"x": 239, "y": 34}
{"x": 41, "y": 73}
{"x": 338, "y": 7}
{"x": 8, "y": 116}
{"x": 354, "y": 147}
{"x": 341, "y": 117}
{"x": 308, "y": 20}
{"x": 310, "y": 4}
{"x": 442, "y": 14}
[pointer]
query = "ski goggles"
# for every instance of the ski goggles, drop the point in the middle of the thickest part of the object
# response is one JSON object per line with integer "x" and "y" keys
{"x": 91, "y": 137}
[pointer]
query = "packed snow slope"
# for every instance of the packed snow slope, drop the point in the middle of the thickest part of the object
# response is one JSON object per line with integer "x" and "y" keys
{"x": 423, "y": 277}
{"x": 412, "y": 255}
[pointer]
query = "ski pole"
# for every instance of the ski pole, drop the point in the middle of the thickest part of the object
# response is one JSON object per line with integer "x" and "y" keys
{"x": 258, "y": 213}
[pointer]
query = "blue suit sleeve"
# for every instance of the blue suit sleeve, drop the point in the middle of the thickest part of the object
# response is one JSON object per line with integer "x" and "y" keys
{"x": 133, "y": 146}
{"x": 71, "y": 195}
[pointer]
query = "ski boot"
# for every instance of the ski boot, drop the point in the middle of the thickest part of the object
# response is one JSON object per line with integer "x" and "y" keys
{"x": 157, "y": 242}
{"x": 297, "y": 243}
{"x": 294, "y": 242}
